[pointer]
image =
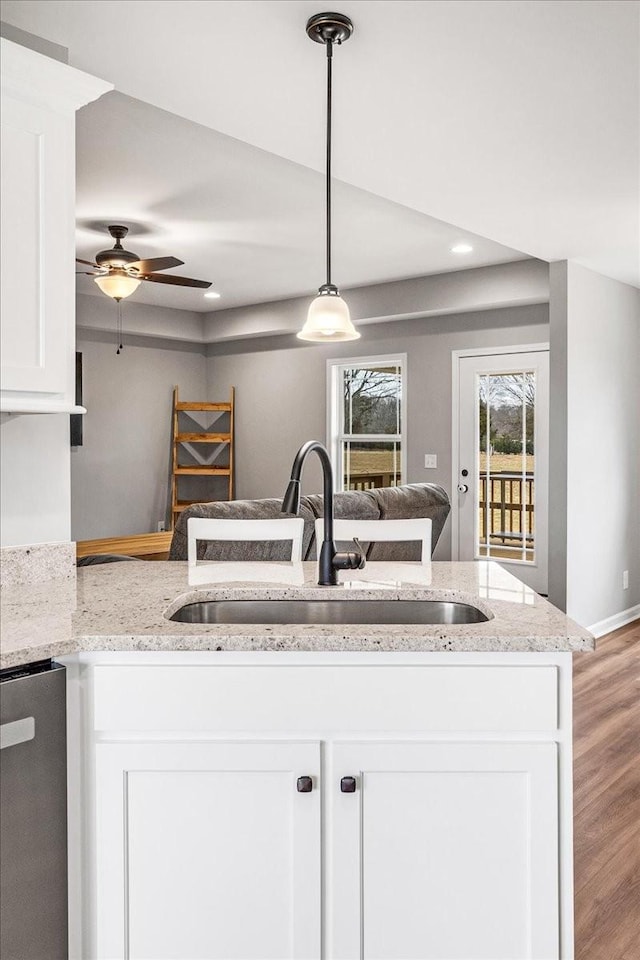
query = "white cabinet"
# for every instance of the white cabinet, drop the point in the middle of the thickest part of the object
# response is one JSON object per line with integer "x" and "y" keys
{"x": 207, "y": 851}
{"x": 454, "y": 845}
{"x": 39, "y": 99}
{"x": 445, "y": 850}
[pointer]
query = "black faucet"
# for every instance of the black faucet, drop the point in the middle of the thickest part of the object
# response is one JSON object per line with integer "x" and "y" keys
{"x": 329, "y": 560}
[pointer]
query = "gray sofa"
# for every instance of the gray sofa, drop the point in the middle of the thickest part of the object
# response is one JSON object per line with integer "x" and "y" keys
{"x": 389, "y": 503}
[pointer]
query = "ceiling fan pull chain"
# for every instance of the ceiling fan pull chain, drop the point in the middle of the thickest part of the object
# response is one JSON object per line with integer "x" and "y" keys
{"x": 119, "y": 327}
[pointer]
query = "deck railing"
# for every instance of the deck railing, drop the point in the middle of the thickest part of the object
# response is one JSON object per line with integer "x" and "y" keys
{"x": 367, "y": 481}
{"x": 506, "y": 517}
{"x": 506, "y": 503}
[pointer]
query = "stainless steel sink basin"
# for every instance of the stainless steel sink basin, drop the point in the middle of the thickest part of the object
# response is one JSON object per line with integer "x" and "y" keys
{"x": 329, "y": 611}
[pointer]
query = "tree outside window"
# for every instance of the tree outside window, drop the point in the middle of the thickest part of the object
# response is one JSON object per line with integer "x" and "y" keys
{"x": 367, "y": 416}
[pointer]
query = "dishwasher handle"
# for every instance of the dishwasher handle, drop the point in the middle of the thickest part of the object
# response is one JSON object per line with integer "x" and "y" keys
{"x": 16, "y": 732}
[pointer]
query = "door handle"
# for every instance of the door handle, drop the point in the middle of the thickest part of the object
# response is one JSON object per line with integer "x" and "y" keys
{"x": 463, "y": 488}
{"x": 304, "y": 785}
{"x": 18, "y": 731}
{"x": 348, "y": 785}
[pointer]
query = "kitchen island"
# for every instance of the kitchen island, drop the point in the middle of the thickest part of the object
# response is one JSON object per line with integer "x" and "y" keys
{"x": 304, "y": 790}
{"x": 125, "y": 607}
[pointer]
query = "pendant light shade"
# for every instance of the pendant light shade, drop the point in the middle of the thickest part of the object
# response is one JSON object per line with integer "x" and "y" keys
{"x": 118, "y": 285}
{"x": 328, "y": 319}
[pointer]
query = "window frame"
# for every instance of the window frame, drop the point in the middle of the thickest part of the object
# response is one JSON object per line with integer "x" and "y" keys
{"x": 336, "y": 436}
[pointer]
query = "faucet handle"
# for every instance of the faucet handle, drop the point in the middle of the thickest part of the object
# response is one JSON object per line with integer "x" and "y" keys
{"x": 350, "y": 560}
{"x": 359, "y": 554}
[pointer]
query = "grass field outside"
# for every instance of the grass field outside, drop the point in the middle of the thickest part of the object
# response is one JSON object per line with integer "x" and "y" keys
{"x": 368, "y": 462}
{"x": 511, "y": 462}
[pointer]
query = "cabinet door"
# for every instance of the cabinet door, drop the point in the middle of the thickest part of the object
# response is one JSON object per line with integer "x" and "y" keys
{"x": 446, "y": 851}
{"x": 207, "y": 851}
{"x": 37, "y": 284}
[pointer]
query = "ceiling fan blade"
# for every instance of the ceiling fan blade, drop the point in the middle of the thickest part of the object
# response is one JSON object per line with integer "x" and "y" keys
{"x": 87, "y": 263}
{"x": 87, "y": 273}
{"x": 156, "y": 263}
{"x": 178, "y": 281}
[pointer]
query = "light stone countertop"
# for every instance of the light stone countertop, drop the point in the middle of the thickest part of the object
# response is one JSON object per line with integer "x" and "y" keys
{"x": 122, "y": 606}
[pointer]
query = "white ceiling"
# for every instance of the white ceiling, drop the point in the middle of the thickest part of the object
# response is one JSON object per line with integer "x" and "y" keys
{"x": 243, "y": 218}
{"x": 517, "y": 121}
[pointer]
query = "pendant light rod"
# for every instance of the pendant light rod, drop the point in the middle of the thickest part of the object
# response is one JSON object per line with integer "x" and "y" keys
{"x": 329, "y": 28}
{"x": 329, "y": 45}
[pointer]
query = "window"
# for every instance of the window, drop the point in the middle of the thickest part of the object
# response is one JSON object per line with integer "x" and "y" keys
{"x": 367, "y": 421}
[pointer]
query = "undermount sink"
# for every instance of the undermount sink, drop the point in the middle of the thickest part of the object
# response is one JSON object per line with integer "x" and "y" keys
{"x": 329, "y": 611}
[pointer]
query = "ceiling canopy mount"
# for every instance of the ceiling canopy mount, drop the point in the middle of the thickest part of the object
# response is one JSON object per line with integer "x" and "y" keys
{"x": 118, "y": 232}
{"x": 329, "y": 27}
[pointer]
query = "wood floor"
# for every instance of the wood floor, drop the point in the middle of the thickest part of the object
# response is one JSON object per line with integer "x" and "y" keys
{"x": 607, "y": 798}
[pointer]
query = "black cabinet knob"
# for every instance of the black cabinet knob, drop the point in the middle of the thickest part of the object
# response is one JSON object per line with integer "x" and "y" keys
{"x": 348, "y": 785}
{"x": 304, "y": 785}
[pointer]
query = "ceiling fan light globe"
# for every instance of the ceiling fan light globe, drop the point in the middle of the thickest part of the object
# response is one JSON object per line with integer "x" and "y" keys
{"x": 118, "y": 285}
{"x": 328, "y": 321}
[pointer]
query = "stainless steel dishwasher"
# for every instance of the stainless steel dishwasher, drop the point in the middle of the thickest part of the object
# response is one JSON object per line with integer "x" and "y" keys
{"x": 33, "y": 813}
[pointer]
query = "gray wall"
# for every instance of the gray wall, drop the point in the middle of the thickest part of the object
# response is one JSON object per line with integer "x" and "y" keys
{"x": 595, "y": 396}
{"x": 281, "y": 391}
{"x": 120, "y": 476}
{"x": 558, "y": 352}
{"x": 98, "y": 313}
{"x": 522, "y": 282}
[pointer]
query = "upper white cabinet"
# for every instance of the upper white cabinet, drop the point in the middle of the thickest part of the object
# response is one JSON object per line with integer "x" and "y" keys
{"x": 39, "y": 99}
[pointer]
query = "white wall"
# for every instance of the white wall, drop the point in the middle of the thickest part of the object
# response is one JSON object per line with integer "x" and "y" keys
{"x": 34, "y": 463}
{"x": 281, "y": 392}
{"x": 120, "y": 475}
{"x": 595, "y": 403}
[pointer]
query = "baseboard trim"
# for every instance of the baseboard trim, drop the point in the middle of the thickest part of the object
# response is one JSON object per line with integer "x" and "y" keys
{"x": 615, "y": 622}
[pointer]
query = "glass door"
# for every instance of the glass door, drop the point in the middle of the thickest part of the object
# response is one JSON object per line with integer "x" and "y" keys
{"x": 501, "y": 496}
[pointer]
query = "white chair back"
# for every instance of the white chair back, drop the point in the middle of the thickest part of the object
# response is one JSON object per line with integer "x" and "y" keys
{"x": 375, "y": 531}
{"x": 207, "y": 528}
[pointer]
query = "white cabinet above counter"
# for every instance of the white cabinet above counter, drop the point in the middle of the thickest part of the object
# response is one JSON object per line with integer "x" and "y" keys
{"x": 40, "y": 97}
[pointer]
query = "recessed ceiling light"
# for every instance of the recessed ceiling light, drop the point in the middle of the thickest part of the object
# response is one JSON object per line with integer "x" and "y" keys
{"x": 462, "y": 248}
{"x": 212, "y": 295}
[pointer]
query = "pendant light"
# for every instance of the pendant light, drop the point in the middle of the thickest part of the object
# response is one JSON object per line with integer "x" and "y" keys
{"x": 328, "y": 319}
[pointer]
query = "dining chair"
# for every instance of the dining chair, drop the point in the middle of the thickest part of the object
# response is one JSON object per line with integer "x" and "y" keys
{"x": 207, "y": 528}
{"x": 375, "y": 531}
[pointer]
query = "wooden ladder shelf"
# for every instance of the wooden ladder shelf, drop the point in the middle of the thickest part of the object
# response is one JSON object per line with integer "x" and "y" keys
{"x": 202, "y": 437}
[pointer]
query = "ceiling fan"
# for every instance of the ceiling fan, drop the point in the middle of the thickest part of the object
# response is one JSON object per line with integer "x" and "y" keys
{"x": 119, "y": 272}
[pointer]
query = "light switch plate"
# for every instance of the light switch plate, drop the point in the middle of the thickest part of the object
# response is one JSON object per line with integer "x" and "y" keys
{"x": 431, "y": 461}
